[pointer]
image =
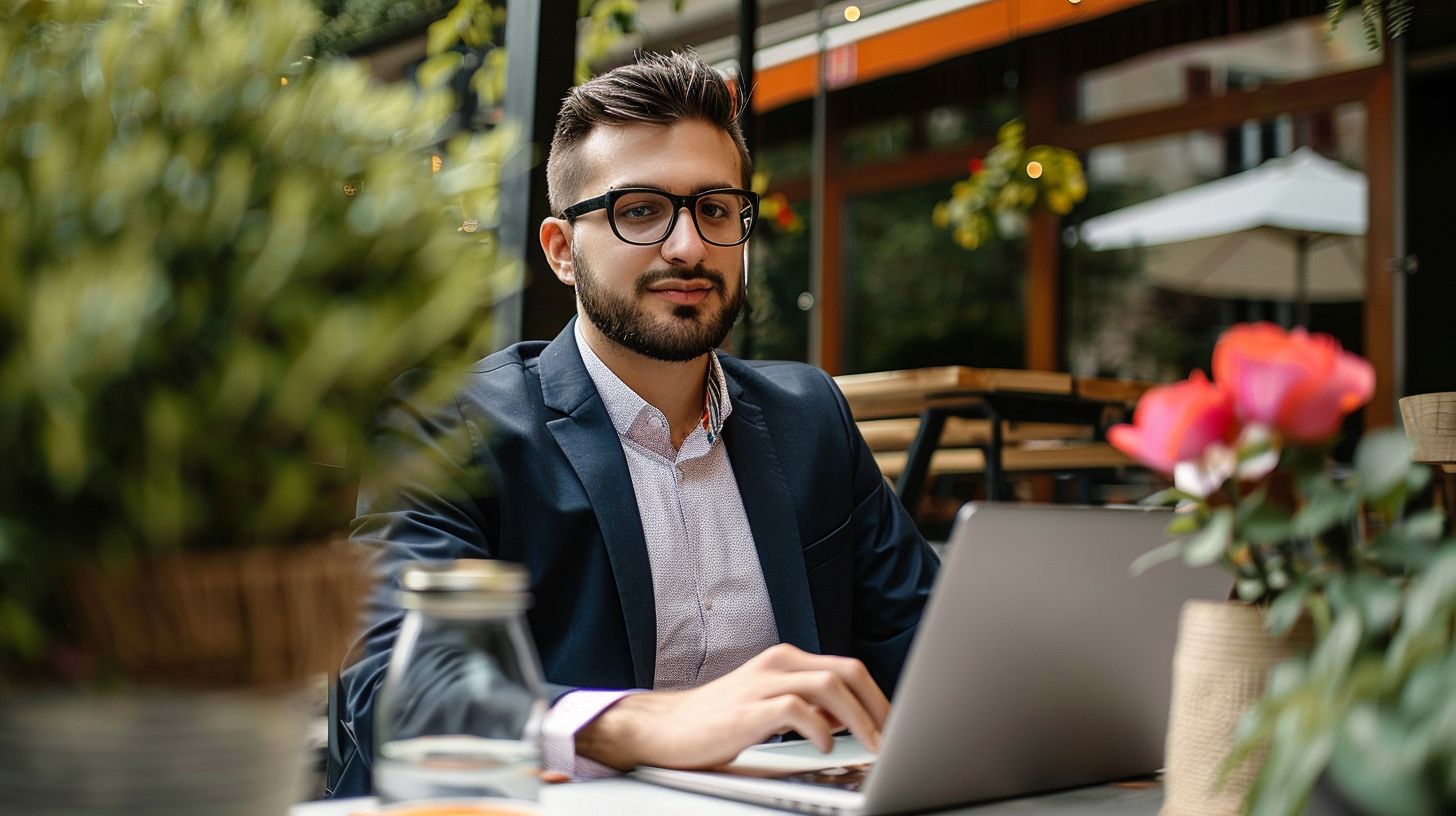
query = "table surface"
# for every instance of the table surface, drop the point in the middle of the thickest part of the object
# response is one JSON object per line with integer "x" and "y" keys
{"x": 629, "y": 797}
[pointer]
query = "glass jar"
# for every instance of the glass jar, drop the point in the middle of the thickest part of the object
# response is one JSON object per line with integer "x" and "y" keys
{"x": 460, "y": 712}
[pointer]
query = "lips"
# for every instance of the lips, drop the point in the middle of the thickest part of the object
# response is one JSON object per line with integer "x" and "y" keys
{"x": 681, "y": 292}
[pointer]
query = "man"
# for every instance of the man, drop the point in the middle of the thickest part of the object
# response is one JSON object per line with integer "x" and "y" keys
{"x": 711, "y": 533}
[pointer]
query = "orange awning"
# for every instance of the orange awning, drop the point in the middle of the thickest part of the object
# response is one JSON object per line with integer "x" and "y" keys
{"x": 975, "y": 25}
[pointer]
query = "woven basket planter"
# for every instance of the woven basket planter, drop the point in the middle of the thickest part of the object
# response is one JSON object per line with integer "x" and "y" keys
{"x": 1220, "y": 667}
{"x": 249, "y": 618}
{"x": 216, "y": 649}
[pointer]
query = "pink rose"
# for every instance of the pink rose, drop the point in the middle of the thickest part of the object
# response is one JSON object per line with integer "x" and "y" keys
{"x": 1176, "y": 423}
{"x": 1298, "y": 383}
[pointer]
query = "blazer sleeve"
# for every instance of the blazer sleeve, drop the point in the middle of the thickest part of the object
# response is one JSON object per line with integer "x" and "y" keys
{"x": 428, "y": 494}
{"x": 894, "y": 567}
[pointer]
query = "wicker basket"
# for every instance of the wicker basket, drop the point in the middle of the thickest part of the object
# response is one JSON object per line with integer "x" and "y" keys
{"x": 258, "y": 617}
{"x": 1220, "y": 667}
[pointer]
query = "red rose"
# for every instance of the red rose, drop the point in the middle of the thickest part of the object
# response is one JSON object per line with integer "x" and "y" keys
{"x": 1175, "y": 423}
{"x": 1298, "y": 383}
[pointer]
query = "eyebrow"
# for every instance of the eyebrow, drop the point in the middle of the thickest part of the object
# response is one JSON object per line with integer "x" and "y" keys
{"x": 694, "y": 191}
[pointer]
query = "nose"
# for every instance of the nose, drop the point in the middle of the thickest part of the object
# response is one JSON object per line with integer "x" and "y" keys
{"x": 684, "y": 246}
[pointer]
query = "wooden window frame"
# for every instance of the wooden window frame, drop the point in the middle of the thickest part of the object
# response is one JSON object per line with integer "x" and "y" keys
{"x": 1371, "y": 86}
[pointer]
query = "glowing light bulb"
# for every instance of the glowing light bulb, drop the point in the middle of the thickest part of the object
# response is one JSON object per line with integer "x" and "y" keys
{"x": 282, "y": 80}
{"x": 1033, "y": 169}
{"x": 851, "y": 13}
{"x": 435, "y": 162}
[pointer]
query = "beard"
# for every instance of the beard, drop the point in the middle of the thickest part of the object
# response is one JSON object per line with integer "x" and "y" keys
{"x": 690, "y": 331}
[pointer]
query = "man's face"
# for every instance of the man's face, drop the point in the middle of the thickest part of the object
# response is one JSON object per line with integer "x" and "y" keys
{"x": 673, "y": 301}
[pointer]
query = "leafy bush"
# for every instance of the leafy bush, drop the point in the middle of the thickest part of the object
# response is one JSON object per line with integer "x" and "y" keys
{"x": 213, "y": 259}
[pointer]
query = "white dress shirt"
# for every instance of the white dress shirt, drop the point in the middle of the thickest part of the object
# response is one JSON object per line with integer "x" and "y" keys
{"x": 713, "y": 610}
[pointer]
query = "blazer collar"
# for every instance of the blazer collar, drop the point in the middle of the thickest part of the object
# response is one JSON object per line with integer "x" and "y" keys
{"x": 589, "y": 440}
{"x": 771, "y": 514}
{"x": 585, "y": 434}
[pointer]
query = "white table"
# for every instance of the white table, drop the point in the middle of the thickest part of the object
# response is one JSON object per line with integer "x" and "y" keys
{"x": 628, "y": 797}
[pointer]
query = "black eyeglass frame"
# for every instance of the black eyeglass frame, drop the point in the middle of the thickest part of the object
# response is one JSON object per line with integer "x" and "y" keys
{"x": 608, "y": 201}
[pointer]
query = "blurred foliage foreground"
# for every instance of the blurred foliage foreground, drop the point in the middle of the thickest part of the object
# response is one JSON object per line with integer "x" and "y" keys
{"x": 214, "y": 257}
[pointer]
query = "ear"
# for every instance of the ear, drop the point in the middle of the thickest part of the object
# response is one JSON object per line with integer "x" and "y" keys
{"x": 556, "y": 243}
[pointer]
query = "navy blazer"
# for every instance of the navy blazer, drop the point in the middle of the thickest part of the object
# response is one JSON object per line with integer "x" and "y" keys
{"x": 525, "y": 465}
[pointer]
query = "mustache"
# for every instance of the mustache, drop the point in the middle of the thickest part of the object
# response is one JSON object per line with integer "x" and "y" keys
{"x": 652, "y": 276}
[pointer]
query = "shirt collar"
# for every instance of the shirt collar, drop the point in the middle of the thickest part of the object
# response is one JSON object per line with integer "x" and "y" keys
{"x": 624, "y": 405}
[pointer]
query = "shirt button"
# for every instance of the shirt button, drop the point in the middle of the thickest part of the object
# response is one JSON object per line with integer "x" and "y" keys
{"x": 681, "y": 473}
{"x": 708, "y": 604}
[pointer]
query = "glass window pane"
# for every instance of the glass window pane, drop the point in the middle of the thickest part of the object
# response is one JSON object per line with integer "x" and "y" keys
{"x": 1133, "y": 312}
{"x": 1289, "y": 52}
{"x": 777, "y": 322}
{"x": 916, "y": 298}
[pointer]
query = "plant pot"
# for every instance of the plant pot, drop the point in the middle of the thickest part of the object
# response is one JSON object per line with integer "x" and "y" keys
{"x": 155, "y": 753}
{"x": 213, "y": 649}
{"x": 259, "y": 617}
{"x": 1220, "y": 667}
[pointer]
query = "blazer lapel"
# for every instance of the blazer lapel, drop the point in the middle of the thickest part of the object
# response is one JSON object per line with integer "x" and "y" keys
{"x": 771, "y": 518}
{"x": 586, "y": 436}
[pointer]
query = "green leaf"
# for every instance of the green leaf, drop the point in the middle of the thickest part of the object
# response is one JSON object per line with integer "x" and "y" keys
{"x": 1425, "y": 525}
{"x": 1210, "y": 543}
{"x": 1250, "y": 589}
{"x": 1382, "y": 461}
{"x": 1378, "y": 763}
{"x": 1267, "y": 525}
{"x": 438, "y": 70}
{"x": 1149, "y": 559}
{"x": 1334, "y": 653}
{"x": 1171, "y": 495}
{"x": 1417, "y": 478}
{"x": 1185, "y": 523}
{"x": 1327, "y": 506}
{"x": 1285, "y": 609}
{"x": 1396, "y": 549}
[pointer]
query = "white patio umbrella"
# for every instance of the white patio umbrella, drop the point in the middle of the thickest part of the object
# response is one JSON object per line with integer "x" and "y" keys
{"x": 1289, "y": 229}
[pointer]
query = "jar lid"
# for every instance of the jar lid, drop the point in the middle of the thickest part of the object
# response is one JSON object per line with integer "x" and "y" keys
{"x": 464, "y": 575}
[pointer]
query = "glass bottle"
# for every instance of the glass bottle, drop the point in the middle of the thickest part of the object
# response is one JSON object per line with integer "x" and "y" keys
{"x": 459, "y": 715}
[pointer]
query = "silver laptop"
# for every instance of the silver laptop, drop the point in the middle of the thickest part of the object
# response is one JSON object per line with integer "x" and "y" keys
{"x": 1041, "y": 663}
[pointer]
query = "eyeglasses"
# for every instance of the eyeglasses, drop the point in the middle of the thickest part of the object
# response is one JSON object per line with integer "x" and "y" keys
{"x": 643, "y": 216}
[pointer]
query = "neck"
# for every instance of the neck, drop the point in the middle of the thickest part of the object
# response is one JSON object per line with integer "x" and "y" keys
{"x": 675, "y": 389}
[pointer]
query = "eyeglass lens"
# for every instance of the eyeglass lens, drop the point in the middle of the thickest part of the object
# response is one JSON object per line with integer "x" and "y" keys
{"x": 645, "y": 218}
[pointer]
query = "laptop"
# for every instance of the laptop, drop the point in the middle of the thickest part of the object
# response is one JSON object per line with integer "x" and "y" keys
{"x": 1041, "y": 664}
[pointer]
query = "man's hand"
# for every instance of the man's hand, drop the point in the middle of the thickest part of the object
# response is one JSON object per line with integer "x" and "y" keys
{"x": 781, "y": 689}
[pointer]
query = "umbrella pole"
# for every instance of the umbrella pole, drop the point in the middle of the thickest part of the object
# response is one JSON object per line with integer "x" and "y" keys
{"x": 1301, "y": 281}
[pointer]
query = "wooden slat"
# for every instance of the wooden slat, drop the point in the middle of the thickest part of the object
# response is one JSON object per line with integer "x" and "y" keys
{"x": 907, "y": 393}
{"x": 1106, "y": 390}
{"x": 1075, "y": 456}
{"x": 1222, "y": 111}
{"x": 897, "y": 434}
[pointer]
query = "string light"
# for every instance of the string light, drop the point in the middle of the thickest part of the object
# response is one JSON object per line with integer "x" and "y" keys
{"x": 435, "y": 164}
{"x": 469, "y": 226}
{"x": 851, "y": 13}
{"x": 282, "y": 80}
{"x": 350, "y": 189}
{"x": 1033, "y": 169}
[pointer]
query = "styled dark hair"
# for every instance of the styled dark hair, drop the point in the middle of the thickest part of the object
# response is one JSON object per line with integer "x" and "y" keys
{"x": 658, "y": 89}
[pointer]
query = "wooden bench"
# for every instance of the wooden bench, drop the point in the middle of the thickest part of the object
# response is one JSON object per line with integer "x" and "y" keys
{"x": 955, "y": 419}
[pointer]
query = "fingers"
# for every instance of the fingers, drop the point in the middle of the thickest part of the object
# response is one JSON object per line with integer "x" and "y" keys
{"x": 786, "y": 658}
{"x": 841, "y": 707}
{"x": 792, "y": 713}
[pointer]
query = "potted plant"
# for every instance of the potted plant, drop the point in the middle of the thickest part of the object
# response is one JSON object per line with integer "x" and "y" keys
{"x": 1309, "y": 544}
{"x": 214, "y": 256}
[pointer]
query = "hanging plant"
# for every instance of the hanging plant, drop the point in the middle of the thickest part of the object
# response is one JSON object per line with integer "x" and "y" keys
{"x": 1006, "y": 186}
{"x": 774, "y": 209}
{"x": 1382, "y": 19}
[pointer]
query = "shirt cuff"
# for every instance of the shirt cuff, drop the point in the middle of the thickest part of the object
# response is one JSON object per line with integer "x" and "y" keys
{"x": 573, "y": 712}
